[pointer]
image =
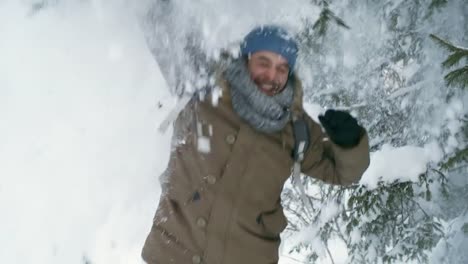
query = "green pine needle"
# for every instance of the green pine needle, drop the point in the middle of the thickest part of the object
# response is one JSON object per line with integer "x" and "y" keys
{"x": 461, "y": 155}
{"x": 341, "y": 23}
{"x": 443, "y": 43}
{"x": 437, "y": 3}
{"x": 322, "y": 23}
{"x": 457, "y": 77}
{"x": 454, "y": 58}
{"x": 324, "y": 19}
{"x": 465, "y": 228}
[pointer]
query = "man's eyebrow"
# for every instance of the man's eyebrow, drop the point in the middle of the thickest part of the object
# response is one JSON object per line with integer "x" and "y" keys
{"x": 266, "y": 59}
{"x": 285, "y": 64}
{"x": 263, "y": 58}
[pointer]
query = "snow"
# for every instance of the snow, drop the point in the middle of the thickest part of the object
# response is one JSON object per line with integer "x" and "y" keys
{"x": 79, "y": 151}
{"x": 216, "y": 94}
{"x": 314, "y": 110}
{"x": 81, "y": 99}
{"x": 203, "y": 144}
{"x": 310, "y": 234}
{"x": 329, "y": 211}
{"x": 455, "y": 238}
{"x": 403, "y": 163}
{"x": 355, "y": 236}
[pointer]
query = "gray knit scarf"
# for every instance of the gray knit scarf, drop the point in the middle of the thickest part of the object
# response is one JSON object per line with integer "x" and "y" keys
{"x": 264, "y": 113}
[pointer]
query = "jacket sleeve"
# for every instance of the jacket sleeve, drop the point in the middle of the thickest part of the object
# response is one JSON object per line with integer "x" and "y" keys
{"x": 332, "y": 164}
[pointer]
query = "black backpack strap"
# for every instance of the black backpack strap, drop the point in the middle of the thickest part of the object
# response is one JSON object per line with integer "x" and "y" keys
{"x": 301, "y": 138}
{"x": 301, "y": 144}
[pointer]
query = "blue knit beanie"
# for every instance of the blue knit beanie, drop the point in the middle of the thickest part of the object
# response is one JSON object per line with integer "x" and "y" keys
{"x": 271, "y": 38}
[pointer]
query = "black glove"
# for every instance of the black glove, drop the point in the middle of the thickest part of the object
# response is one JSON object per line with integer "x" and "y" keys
{"x": 342, "y": 128}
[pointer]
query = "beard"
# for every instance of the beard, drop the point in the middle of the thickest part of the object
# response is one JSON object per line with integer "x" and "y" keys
{"x": 268, "y": 87}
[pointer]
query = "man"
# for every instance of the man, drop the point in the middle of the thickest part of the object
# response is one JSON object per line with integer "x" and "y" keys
{"x": 221, "y": 190}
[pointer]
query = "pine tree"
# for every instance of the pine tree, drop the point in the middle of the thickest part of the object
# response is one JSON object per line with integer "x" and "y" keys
{"x": 401, "y": 220}
{"x": 455, "y": 165}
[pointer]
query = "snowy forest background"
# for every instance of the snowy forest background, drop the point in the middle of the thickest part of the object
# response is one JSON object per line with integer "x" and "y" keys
{"x": 84, "y": 85}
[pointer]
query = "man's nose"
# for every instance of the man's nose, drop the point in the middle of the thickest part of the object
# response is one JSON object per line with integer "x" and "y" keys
{"x": 271, "y": 74}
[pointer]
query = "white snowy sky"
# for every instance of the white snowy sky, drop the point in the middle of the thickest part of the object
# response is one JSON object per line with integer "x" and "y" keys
{"x": 80, "y": 154}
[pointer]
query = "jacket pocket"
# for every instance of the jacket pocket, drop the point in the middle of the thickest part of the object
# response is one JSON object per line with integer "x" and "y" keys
{"x": 175, "y": 219}
{"x": 162, "y": 247}
{"x": 273, "y": 222}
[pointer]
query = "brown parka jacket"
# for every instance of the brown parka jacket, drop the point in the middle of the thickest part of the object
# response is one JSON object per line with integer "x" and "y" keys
{"x": 221, "y": 191}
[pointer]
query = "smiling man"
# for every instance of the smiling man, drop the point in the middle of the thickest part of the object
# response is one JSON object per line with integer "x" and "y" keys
{"x": 269, "y": 71}
{"x": 223, "y": 206}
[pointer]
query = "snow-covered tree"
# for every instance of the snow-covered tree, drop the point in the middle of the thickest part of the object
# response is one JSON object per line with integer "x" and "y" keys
{"x": 402, "y": 218}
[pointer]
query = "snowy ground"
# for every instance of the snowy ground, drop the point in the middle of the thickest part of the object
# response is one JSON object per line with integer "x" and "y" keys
{"x": 80, "y": 102}
{"x": 79, "y": 149}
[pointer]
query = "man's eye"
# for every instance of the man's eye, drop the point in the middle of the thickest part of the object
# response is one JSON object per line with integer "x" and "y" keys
{"x": 283, "y": 70}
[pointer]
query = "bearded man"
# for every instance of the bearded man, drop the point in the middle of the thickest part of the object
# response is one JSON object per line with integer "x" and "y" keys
{"x": 221, "y": 190}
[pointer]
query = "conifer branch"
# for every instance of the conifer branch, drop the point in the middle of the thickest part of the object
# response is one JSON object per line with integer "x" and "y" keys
{"x": 321, "y": 25}
{"x": 457, "y": 77}
{"x": 455, "y": 58}
{"x": 461, "y": 155}
{"x": 443, "y": 43}
{"x": 338, "y": 21}
{"x": 437, "y": 3}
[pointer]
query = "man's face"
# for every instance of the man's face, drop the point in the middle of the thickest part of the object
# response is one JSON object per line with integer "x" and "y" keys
{"x": 269, "y": 71}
